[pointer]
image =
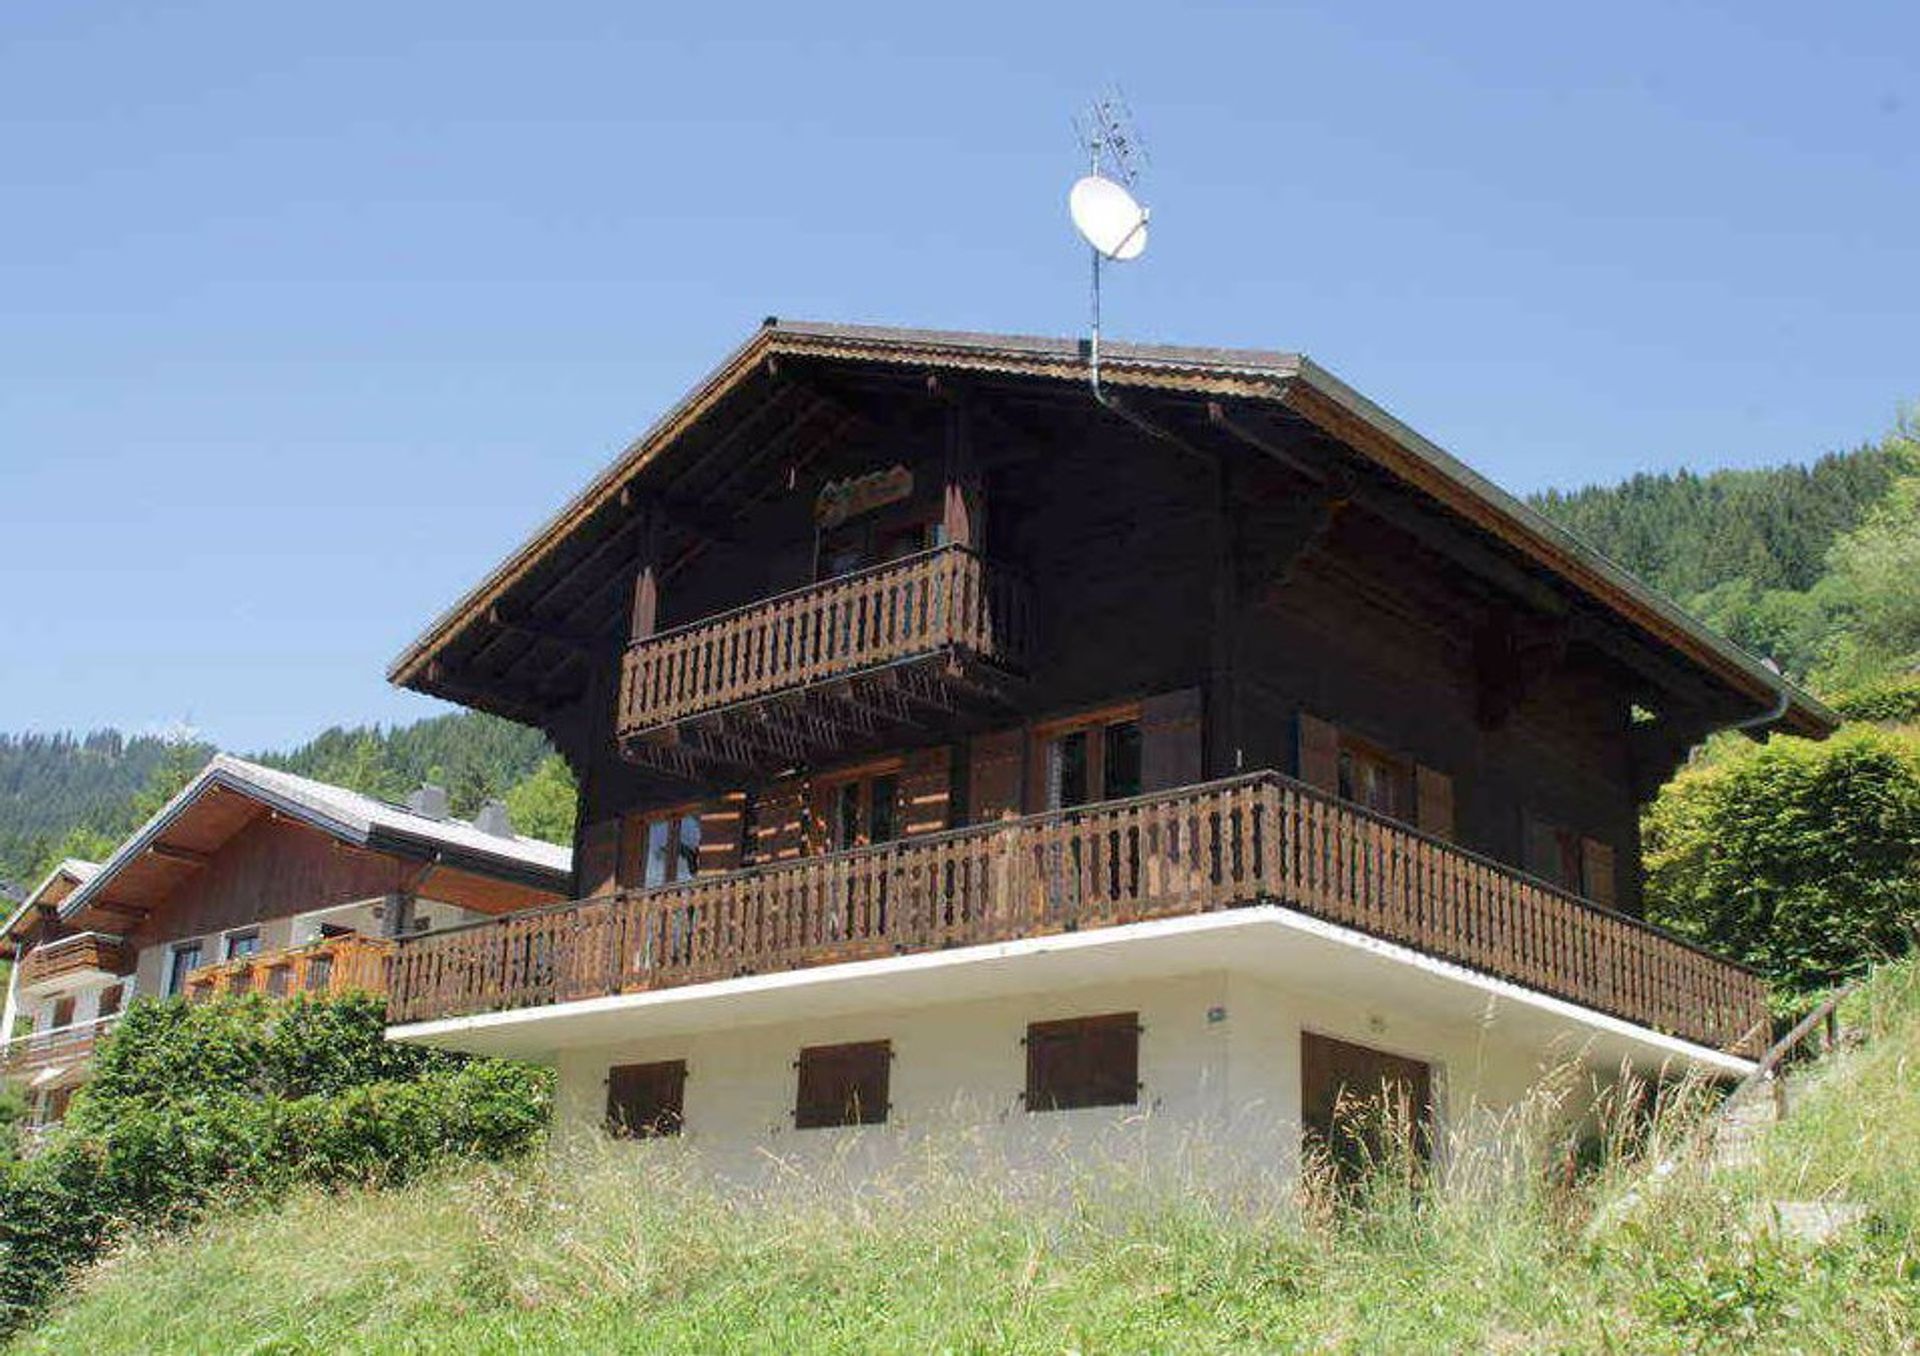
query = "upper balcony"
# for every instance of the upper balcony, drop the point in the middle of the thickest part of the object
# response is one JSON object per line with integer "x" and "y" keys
{"x": 74, "y": 962}
{"x": 1256, "y": 839}
{"x": 855, "y": 660}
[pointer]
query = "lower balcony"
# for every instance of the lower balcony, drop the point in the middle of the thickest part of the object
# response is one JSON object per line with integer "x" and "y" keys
{"x": 63, "y": 1047}
{"x": 351, "y": 963}
{"x": 1256, "y": 839}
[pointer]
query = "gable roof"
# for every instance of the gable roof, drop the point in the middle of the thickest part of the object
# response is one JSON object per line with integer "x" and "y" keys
{"x": 1289, "y": 381}
{"x": 353, "y": 818}
{"x": 70, "y": 873}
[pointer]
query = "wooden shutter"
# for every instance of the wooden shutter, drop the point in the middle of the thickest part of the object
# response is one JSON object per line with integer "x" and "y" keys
{"x": 599, "y": 859}
{"x": 1319, "y": 760}
{"x": 1342, "y": 1087}
{"x": 1084, "y": 1061}
{"x": 646, "y": 1100}
{"x": 1433, "y": 802}
{"x": 778, "y": 814}
{"x": 842, "y": 1084}
{"x": 1171, "y": 752}
{"x": 722, "y": 827}
{"x": 1598, "y": 880}
{"x": 633, "y": 851}
{"x": 995, "y": 771}
{"x": 926, "y": 791}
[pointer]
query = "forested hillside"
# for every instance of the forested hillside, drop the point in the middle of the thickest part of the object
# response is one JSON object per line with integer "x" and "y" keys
{"x": 1817, "y": 566}
{"x": 66, "y": 795}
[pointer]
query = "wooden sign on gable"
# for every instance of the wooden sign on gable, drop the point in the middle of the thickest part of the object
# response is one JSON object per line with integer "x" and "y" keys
{"x": 840, "y": 500}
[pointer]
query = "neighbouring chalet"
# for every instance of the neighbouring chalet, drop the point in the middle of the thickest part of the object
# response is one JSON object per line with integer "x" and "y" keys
{"x": 251, "y": 879}
{"x": 955, "y": 738}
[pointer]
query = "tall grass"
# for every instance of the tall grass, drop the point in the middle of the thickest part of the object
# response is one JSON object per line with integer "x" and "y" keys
{"x": 1502, "y": 1247}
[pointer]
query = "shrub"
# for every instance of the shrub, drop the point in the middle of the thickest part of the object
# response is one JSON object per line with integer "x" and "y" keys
{"x": 241, "y": 1100}
{"x": 1800, "y": 858}
{"x": 1890, "y": 700}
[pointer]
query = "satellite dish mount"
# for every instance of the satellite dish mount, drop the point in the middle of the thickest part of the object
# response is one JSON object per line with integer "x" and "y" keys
{"x": 1102, "y": 202}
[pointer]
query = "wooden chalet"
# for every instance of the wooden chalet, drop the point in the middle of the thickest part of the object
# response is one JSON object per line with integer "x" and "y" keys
{"x": 251, "y": 879}
{"x": 902, "y": 670}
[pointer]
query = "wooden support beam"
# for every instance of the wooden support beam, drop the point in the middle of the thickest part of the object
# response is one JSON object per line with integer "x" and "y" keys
{"x": 554, "y": 635}
{"x": 181, "y": 856}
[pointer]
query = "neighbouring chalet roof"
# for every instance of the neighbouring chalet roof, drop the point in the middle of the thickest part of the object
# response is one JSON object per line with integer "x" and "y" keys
{"x": 752, "y": 402}
{"x": 230, "y": 792}
{"x": 59, "y": 883}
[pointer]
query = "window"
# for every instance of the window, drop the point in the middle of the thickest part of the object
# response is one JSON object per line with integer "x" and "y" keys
{"x": 1089, "y": 758}
{"x": 856, "y": 810}
{"x": 646, "y": 1101}
{"x": 659, "y": 848}
{"x": 110, "y": 999}
{"x": 183, "y": 961}
{"x": 1553, "y": 853}
{"x": 240, "y": 945}
{"x": 1084, "y": 1061}
{"x": 1359, "y": 1106}
{"x": 62, "y": 1013}
{"x": 867, "y": 541}
{"x": 842, "y": 1084}
{"x": 1373, "y": 779}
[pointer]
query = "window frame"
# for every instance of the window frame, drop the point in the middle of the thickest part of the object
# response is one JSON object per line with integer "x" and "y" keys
{"x": 1353, "y": 750}
{"x": 1094, "y": 724}
{"x": 176, "y": 978}
{"x": 826, "y": 795}
{"x": 635, "y": 847}
{"x": 230, "y": 942}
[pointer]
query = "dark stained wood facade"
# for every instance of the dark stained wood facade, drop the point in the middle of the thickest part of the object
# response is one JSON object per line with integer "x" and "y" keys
{"x": 1230, "y": 569}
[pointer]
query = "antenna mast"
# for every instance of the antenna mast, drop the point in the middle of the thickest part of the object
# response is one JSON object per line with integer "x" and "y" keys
{"x": 1113, "y": 224}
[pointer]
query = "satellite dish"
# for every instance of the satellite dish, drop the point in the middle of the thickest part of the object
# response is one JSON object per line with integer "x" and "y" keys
{"x": 1108, "y": 218}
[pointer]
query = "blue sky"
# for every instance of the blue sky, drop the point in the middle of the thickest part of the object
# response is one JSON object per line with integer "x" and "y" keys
{"x": 309, "y": 314}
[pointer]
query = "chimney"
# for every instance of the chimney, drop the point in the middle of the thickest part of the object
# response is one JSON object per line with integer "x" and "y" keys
{"x": 429, "y": 801}
{"x": 494, "y": 819}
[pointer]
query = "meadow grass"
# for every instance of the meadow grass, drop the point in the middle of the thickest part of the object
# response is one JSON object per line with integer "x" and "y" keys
{"x": 603, "y": 1249}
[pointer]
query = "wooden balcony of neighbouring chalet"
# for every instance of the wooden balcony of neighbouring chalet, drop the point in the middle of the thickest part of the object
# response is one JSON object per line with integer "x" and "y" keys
{"x": 71, "y": 962}
{"x": 1256, "y": 839}
{"x": 852, "y": 661}
{"x": 326, "y": 968}
{"x": 63, "y": 1047}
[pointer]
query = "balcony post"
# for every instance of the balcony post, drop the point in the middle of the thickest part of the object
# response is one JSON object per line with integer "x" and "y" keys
{"x": 963, "y": 512}
{"x": 646, "y": 580}
{"x": 11, "y": 1015}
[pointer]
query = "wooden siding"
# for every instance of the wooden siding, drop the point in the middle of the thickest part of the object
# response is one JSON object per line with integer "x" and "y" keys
{"x": 27, "y": 1055}
{"x": 1260, "y": 838}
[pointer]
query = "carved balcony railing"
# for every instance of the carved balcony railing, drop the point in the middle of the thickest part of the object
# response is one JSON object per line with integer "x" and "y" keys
{"x": 24, "y": 1056}
{"x": 80, "y": 958}
{"x": 825, "y": 666}
{"x": 352, "y": 963}
{"x": 1260, "y": 838}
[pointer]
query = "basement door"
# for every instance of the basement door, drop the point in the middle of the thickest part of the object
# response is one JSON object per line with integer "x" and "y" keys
{"x": 1360, "y": 1106}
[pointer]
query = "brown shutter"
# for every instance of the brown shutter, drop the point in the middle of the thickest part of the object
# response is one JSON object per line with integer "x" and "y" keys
{"x": 646, "y": 1100}
{"x": 599, "y": 859}
{"x": 1319, "y": 754}
{"x": 1083, "y": 1061}
{"x": 842, "y": 1084}
{"x": 722, "y": 823}
{"x": 1598, "y": 881}
{"x": 1170, "y": 738}
{"x": 995, "y": 771}
{"x": 926, "y": 791}
{"x": 1433, "y": 802}
{"x": 633, "y": 848}
{"x": 778, "y": 813}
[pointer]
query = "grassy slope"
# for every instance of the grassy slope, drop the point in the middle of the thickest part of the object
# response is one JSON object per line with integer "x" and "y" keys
{"x": 610, "y": 1255}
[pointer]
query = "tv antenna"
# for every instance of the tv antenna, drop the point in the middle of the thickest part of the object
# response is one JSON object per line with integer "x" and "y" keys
{"x": 1102, "y": 202}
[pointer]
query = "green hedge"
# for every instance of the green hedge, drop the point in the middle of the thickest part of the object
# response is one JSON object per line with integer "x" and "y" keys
{"x": 237, "y": 1101}
{"x": 1893, "y": 700}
